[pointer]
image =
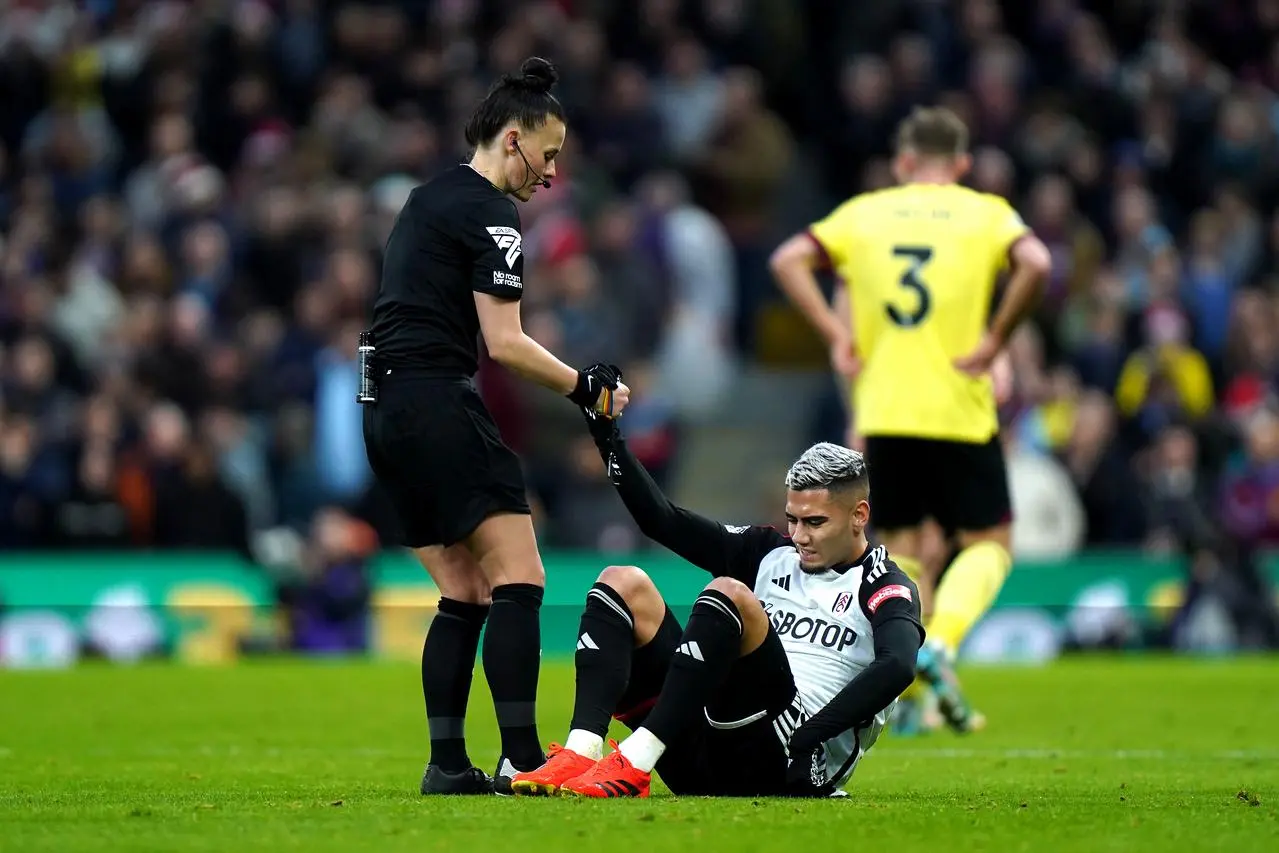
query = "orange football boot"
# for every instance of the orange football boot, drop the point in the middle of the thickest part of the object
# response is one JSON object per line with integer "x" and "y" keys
{"x": 612, "y": 776}
{"x": 561, "y": 766}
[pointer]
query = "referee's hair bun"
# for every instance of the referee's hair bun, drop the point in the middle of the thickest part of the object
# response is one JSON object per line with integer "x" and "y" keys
{"x": 538, "y": 74}
{"x": 523, "y": 96}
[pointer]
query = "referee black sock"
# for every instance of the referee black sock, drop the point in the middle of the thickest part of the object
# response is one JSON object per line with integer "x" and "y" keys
{"x": 605, "y": 646}
{"x": 711, "y": 644}
{"x": 512, "y": 657}
{"x": 448, "y": 662}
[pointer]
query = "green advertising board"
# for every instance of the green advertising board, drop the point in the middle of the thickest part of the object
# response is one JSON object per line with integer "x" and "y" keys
{"x": 199, "y": 607}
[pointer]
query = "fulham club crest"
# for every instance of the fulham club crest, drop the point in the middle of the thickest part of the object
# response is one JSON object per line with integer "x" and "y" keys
{"x": 842, "y": 602}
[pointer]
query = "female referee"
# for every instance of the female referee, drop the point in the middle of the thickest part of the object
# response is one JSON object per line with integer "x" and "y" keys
{"x": 453, "y": 270}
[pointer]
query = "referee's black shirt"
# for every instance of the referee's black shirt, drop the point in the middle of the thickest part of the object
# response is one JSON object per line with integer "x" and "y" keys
{"x": 456, "y": 234}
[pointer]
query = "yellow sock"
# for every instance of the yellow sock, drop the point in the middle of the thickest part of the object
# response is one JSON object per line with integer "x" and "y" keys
{"x": 966, "y": 591}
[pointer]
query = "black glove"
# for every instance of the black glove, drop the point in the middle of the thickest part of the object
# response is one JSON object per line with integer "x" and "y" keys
{"x": 806, "y": 773}
{"x": 594, "y": 387}
{"x": 603, "y": 429}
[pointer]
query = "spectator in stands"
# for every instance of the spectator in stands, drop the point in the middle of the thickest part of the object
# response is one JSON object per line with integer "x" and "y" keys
{"x": 619, "y": 133}
{"x": 741, "y": 173}
{"x": 1167, "y": 379}
{"x": 1076, "y": 245}
{"x": 326, "y": 604}
{"x": 696, "y": 349}
{"x": 91, "y": 517}
{"x": 29, "y": 484}
{"x": 194, "y": 508}
{"x": 1048, "y": 520}
{"x": 689, "y": 97}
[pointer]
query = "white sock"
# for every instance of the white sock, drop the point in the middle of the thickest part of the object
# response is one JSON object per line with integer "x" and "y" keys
{"x": 585, "y": 743}
{"x": 642, "y": 749}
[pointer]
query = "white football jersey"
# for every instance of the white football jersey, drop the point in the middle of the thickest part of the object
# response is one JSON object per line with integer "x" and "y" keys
{"x": 825, "y": 619}
{"x": 824, "y": 622}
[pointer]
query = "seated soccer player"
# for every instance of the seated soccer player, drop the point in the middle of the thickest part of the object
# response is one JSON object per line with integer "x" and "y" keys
{"x": 789, "y": 666}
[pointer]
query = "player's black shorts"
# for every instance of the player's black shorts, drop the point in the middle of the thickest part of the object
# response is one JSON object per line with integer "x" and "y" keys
{"x": 737, "y": 747}
{"x": 959, "y": 485}
{"x": 435, "y": 449}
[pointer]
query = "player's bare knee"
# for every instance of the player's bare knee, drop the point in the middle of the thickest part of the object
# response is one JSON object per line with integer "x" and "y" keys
{"x": 736, "y": 591}
{"x": 632, "y": 583}
{"x": 754, "y": 619}
{"x": 743, "y": 597}
{"x": 642, "y": 598}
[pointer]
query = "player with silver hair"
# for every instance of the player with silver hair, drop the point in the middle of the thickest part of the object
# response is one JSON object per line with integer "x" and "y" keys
{"x": 787, "y": 670}
{"x": 825, "y": 466}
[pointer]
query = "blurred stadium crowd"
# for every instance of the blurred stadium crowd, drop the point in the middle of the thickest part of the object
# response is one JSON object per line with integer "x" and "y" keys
{"x": 193, "y": 197}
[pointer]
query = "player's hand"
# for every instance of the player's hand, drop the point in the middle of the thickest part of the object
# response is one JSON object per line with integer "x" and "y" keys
{"x": 844, "y": 359}
{"x": 978, "y": 362}
{"x": 603, "y": 425}
{"x": 806, "y": 774}
{"x": 600, "y": 389}
{"x": 614, "y": 394}
{"x": 613, "y": 401}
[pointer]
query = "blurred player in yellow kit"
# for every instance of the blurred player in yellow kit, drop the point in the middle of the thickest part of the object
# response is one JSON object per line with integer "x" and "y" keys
{"x": 918, "y": 339}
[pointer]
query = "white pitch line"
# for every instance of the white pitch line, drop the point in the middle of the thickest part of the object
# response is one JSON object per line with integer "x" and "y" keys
{"x": 886, "y": 753}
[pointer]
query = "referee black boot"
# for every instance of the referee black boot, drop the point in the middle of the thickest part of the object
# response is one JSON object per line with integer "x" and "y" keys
{"x": 471, "y": 781}
{"x": 503, "y": 775}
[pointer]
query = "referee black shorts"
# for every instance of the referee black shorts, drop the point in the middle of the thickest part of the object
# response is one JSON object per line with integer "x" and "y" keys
{"x": 435, "y": 449}
{"x": 737, "y": 746}
{"x": 961, "y": 486}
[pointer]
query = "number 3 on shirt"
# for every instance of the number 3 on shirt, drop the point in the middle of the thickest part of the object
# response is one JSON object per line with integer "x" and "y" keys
{"x": 919, "y": 256}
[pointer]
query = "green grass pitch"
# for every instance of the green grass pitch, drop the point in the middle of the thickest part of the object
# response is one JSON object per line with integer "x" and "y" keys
{"x": 1123, "y": 754}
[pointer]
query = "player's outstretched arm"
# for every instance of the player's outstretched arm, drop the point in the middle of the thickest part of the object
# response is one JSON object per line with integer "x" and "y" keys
{"x": 722, "y": 550}
{"x": 891, "y": 602}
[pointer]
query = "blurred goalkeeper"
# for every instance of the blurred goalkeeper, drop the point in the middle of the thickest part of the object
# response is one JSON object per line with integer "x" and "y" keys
{"x": 790, "y": 664}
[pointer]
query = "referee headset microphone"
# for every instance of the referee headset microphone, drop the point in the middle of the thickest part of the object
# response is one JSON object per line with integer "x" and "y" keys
{"x": 537, "y": 179}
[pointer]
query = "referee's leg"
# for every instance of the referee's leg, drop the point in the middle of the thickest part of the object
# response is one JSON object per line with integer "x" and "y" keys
{"x": 505, "y": 548}
{"x": 448, "y": 655}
